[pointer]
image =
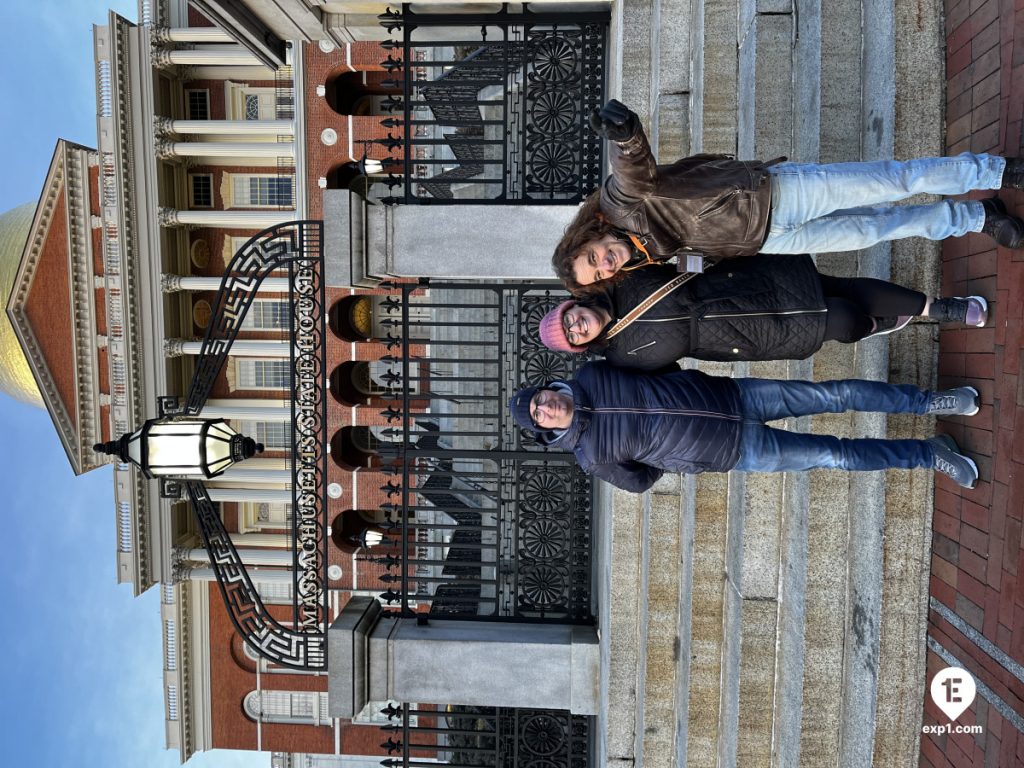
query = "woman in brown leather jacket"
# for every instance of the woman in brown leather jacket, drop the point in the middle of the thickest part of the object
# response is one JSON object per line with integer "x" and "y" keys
{"x": 718, "y": 207}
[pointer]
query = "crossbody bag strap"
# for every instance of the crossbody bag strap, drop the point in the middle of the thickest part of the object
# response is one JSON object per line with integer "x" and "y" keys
{"x": 650, "y": 301}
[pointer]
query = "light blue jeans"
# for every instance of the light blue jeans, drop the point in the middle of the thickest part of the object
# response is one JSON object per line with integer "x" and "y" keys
{"x": 766, "y": 449}
{"x": 840, "y": 206}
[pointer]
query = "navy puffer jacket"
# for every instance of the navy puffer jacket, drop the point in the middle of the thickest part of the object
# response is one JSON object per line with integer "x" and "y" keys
{"x": 629, "y": 427}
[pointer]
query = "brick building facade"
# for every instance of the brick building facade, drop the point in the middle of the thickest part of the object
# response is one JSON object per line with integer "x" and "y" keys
{"x": 244, "y": 146}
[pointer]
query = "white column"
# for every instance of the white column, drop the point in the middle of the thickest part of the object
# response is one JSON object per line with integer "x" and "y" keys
{"x": 279, "y": 540}
{"x": 228, "y": 127}
{"x": 246, "y": 413}
{"x": 281, "y": 495}
{"x": 262, "y": 476}
{"x": 260, "y": 464}
{"x": 205, "y": 55}
{"x": 240, "y": 348}
{"x": 170, "y": 217}
{"x": 280, "y": 557}
{"x": 191, "y": 35}
{"x": 258, "y": 575}
{"x": 213, "y": 149}
{"x": 232, "y": 73}
{"x": 172, "y": 283}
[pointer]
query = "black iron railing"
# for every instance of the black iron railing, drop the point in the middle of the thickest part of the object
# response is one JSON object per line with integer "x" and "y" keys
{"x": 487, "y": 737}
{"x": 484, "y": 523}
{"x": 284, "y": 109}
{"x": 494, "y": 107}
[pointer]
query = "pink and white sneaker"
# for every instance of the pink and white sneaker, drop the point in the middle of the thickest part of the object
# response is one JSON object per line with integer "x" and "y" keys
{"x": 969, "y": 310}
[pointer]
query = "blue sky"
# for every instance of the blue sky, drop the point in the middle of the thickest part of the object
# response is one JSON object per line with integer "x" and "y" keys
{"x": 81, "y": 681}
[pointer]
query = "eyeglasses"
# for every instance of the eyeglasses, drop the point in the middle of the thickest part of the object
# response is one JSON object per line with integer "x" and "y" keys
{"x": 567, "y": 327}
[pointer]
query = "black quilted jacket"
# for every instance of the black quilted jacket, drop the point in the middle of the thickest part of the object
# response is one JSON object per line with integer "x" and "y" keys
{"x": 764, "y": 308}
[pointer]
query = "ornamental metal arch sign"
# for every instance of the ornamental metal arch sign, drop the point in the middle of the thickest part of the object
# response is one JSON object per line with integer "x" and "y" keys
{"x": 297, "y": 247}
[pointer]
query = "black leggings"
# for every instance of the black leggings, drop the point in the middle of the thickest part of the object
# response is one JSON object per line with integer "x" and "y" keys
{"x": 853, "y": 301}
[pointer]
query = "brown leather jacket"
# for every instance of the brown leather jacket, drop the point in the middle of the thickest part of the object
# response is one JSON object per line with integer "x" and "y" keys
{"x": 710, "y": 204}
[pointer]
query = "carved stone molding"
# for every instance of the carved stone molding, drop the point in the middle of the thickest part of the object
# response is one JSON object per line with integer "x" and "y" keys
{"x": 174, "y": 347}
{"x": 168, "y": 217}
{"x": 163, "y": 126}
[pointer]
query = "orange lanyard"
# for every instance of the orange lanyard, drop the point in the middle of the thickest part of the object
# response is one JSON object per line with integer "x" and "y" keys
{"x": 640, "y": 247}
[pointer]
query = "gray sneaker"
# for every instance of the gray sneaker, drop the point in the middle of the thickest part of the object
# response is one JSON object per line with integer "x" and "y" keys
{"x": 960, "y": 401}
{"x": 950, "y": 462}
{"x": 969, "y": 310}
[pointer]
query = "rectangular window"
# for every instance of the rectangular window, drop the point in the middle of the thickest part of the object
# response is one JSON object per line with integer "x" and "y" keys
{"x": 261, "y": 191}
{"x": 275, "y": 435}
{"x": 263, "y": 374}
{"x": 267, "y": 314}
{"x": 197, "y": 104}
{"x": 236, "y": 243}
{"x": 274, "y": 592}
{"x": 202, "y": 190}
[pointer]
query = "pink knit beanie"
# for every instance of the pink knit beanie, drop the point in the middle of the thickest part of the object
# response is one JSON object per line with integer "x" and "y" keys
{"x": 552, "y": 334}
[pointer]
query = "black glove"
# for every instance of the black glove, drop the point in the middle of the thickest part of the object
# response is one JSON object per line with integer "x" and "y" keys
{"x": 615, "y": 121}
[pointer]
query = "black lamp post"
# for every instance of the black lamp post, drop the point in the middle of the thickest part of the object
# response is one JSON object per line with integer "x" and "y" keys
{"x": 182, "y": 447}
{"x": 181, "y": 450}
{"x": 369, "y": 167}
{"x": 352, "y": 531}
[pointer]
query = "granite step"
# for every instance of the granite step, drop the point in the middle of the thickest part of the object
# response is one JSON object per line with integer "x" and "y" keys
{"x": 793, "y": 595}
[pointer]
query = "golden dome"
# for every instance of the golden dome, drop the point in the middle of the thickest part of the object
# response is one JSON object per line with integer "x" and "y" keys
{"x": 15, "y": 377}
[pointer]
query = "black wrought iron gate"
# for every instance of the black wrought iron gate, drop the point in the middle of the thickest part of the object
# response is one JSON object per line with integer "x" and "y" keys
{"x": 486, "y": 525}
{"x": 483, "y": 737}
{"x": 494, "y": 106}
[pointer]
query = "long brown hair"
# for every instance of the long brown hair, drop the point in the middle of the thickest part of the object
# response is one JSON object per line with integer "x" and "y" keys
{"x": 589, "y": 224}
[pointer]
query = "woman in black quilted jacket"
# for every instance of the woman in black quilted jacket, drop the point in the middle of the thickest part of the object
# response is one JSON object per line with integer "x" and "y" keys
{"x": 745, "y": 309}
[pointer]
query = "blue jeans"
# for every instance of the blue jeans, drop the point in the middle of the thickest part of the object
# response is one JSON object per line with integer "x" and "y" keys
{"x": 835, "y": 207}
{"x": 765, "y": 449}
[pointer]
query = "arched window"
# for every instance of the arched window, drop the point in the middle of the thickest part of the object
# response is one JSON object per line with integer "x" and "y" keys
{"x": 360, "y": 93}
{"x": 351, "y": 383}
{"x": 351, "y": 318}
{"x": 346, "y": 175}
{"x": 354, "y": 382}
{"x": 298, "y": 707}
{"x": 354, "y": 448}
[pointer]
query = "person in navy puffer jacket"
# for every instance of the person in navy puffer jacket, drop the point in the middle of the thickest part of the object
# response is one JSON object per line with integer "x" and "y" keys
{"x": 629, "y": 428}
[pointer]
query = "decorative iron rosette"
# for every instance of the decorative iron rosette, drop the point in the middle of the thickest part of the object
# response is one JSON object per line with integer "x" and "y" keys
{"x": 555, "y": 56}
{"x": 542, "y": 587}
{"x": 545, "y": 489}
{"x": 554, "y": 112}
{"x": 543, "y": 735}
{"x": 553, "y": 165}
{"x": 543, "y": 539}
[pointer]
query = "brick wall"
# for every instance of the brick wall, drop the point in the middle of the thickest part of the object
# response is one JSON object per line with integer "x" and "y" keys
{"x": 321, "y": 69}
{"x": 976, "y": 581}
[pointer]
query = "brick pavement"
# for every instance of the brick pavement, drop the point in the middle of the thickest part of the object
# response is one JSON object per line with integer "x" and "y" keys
{"x": 977, "y": 572}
